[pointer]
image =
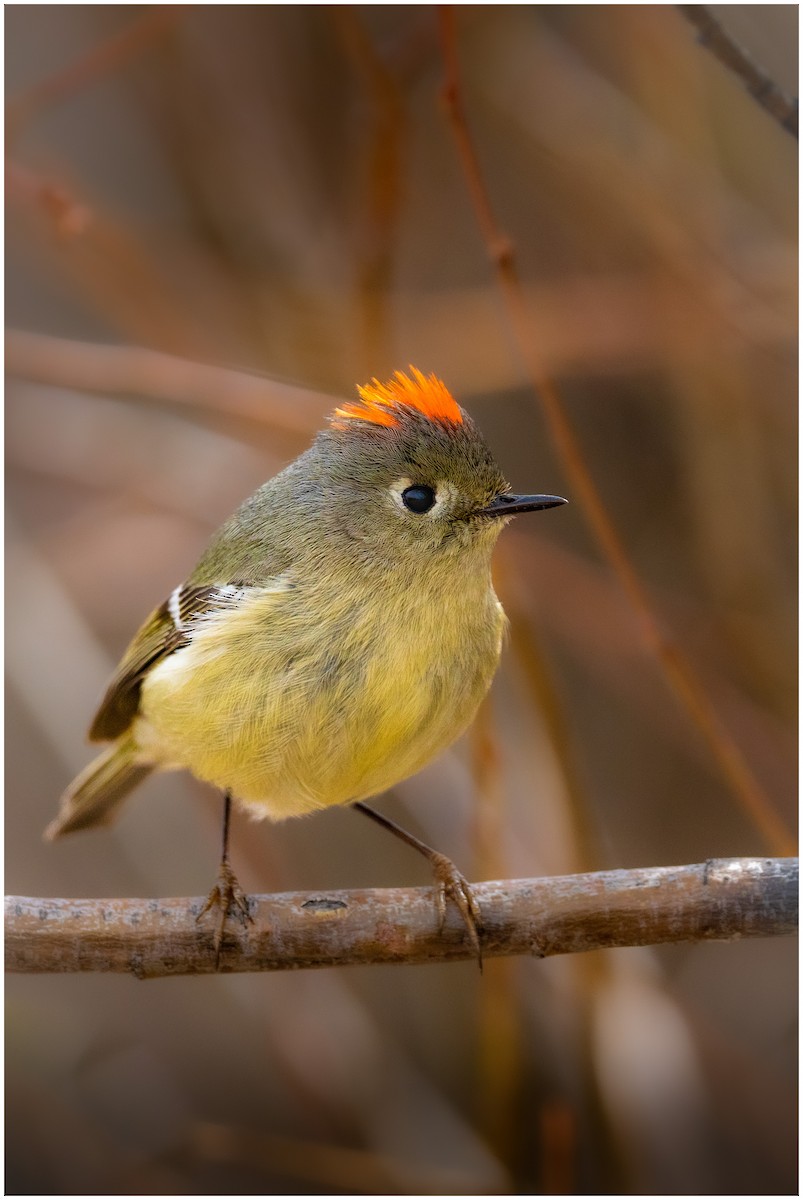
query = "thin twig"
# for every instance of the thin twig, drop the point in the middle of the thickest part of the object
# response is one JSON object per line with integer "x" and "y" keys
{"x": 721, "y": 900}
{"x": 382, "y": 190}
{"x": 134, "y": 371}
{"x": 677, "y": 669}
{"x": 723, "y": 46}
{"x": 101, "y": 60}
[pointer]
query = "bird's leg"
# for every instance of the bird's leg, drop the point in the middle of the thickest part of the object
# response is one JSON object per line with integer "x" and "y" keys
{"x": 226, "y": 895}
{"x": 449, "y": 883}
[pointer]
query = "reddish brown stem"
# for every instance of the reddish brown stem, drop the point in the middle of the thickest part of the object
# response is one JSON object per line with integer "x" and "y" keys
{"x": 677, "y": 669}
{"x": 101, "y": 60}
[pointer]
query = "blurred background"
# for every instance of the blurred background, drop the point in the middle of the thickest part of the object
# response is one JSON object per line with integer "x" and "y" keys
{"x": 220, "y": 218}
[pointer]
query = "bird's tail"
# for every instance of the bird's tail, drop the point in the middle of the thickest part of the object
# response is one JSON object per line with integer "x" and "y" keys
{"x": 92, "y": 798}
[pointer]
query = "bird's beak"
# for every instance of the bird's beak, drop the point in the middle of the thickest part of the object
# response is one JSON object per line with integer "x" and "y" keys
{"x": 508, "y": 505}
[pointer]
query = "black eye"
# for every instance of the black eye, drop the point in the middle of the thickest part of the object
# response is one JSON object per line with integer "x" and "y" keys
{"x": 419, "y": 498}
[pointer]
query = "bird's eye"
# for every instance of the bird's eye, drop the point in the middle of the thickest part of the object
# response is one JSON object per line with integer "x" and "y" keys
{"x": 419, "y": 498}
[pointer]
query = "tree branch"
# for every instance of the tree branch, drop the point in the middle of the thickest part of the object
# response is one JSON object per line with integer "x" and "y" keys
{"x": 723, "y": 46}
{"x": 136, "y": 371}
{"x": 101, "y": 60}
{"x": 721, "y": 899}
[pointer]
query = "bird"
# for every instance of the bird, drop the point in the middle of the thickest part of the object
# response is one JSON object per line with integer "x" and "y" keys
{"x": 340, "y": 630}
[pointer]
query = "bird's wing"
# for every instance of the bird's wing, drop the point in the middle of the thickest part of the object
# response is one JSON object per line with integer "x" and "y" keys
{"x": 166, "y": 630}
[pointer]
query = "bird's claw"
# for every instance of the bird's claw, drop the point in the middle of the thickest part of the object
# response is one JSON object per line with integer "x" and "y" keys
{"x": 450, "y": 884}
{"x": 230, "y": 899}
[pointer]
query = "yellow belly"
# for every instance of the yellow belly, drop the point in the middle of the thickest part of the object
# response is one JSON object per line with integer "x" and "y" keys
{"x": 294, "y": 712}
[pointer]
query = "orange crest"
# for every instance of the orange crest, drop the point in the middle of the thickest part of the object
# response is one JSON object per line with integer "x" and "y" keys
{"x": 384, "y": 403}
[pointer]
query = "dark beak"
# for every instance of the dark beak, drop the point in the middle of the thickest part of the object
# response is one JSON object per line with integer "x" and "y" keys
{"x": 508, "y": 505}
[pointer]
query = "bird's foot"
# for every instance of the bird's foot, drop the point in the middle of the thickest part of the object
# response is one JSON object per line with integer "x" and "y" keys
{"x": 450, "y": 884}
{"x": 230, "y": 899}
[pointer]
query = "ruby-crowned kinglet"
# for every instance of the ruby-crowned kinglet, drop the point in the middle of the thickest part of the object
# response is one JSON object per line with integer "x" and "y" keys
{"x": 340, "y": 630}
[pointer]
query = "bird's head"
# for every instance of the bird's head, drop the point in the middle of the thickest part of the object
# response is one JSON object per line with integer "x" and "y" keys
{"x": 413, "y": 473}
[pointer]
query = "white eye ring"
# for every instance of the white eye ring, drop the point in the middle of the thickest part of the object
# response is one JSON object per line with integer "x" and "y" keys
{"x": 445, "y": 493}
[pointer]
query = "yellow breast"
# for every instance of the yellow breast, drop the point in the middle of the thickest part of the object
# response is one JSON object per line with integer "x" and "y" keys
{"x": 295, "y": 703}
